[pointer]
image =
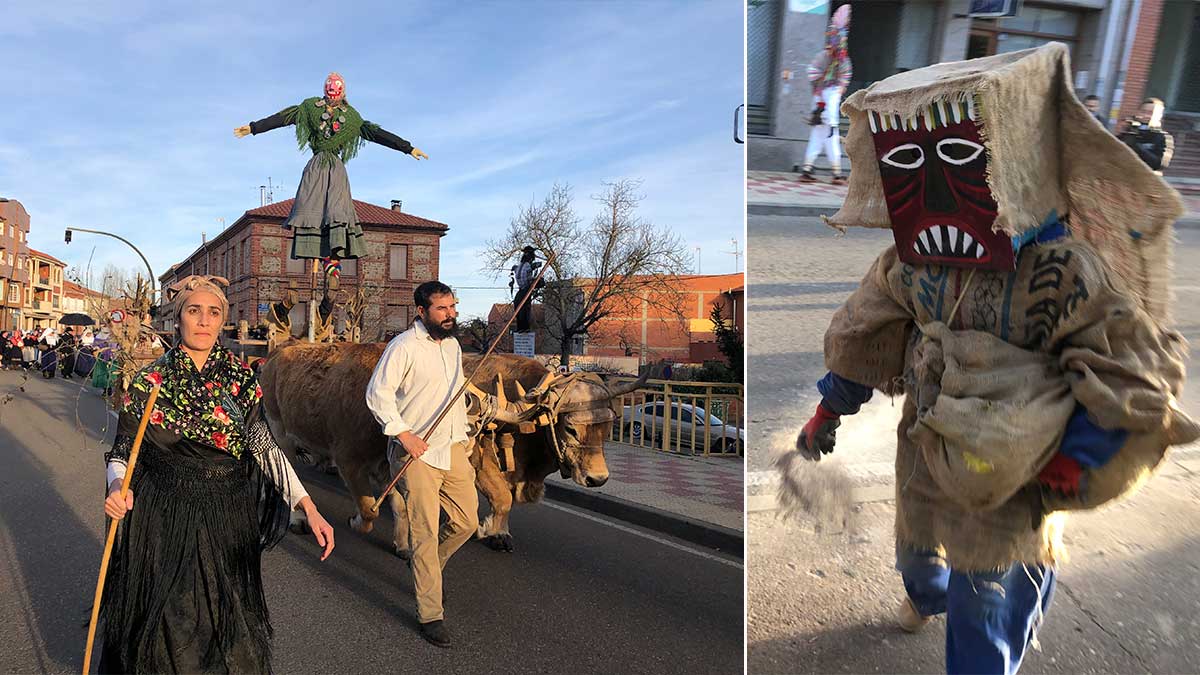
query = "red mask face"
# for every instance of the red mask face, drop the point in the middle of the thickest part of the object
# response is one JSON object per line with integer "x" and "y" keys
{"x": 334, "y": 88}
{"x": 935, "y": 182}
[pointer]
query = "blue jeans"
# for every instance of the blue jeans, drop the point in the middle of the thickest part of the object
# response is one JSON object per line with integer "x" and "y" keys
{"x": 990, "y": 616}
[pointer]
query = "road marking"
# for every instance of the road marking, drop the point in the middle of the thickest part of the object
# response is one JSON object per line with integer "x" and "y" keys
{"x": 651, "y": 537}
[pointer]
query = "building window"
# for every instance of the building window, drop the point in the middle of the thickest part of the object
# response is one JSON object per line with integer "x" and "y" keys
{"x": 398, "y": 262}
{"x": 14, "y": 293}
{"x": 350, "y": 268}
{"x": 1033, "y": 27}
{"x": 245, "y": 256}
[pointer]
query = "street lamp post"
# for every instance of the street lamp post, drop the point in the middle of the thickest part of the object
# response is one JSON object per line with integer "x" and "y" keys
{"x": 67, "y": 238}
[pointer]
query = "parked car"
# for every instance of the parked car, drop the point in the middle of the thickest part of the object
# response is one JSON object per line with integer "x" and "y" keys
{"x": 688, "y": 424}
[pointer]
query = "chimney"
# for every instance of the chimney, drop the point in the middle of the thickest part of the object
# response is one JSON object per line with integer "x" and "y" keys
{"x": 204, "y": 239}
{"x": 397, "y": 204}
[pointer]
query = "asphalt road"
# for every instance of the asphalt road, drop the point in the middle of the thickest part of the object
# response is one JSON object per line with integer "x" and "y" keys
{"x": 582, "y": 593}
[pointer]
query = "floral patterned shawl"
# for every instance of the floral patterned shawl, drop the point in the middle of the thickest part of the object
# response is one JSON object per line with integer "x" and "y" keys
{"x": 209, "y": 406}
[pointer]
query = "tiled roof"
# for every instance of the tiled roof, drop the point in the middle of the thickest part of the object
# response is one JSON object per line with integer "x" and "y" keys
{"x": 366, "y": 213}
{"x": 47, "y": 256}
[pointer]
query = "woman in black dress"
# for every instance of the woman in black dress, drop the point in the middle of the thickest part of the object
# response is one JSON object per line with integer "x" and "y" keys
{"x": 184, "y": 590}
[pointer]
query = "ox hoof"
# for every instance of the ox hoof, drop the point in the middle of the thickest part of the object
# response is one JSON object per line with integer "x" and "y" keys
{"x": 500, "y": 542}
{"x": 360, "y": 524}
{"x": 402, "y": 553}
{"x": 299, "y": 527}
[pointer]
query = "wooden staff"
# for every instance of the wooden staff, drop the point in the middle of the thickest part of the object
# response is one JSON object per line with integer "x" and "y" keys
{"x": 112, "y": 528}
{"x": 467, "y": 382}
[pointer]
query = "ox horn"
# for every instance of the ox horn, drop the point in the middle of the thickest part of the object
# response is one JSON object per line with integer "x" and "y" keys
{"x": 501, "y": 399}
{"x": 630, "y": 387}
{"x": 507, "y": 416}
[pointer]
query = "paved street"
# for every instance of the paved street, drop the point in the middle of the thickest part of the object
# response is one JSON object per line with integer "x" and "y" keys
{"x": 582, "y": 593}
{"x": 824, "y": 601}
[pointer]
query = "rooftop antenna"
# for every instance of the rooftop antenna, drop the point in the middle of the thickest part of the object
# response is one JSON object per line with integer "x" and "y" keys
{"x": 737, "y": 255}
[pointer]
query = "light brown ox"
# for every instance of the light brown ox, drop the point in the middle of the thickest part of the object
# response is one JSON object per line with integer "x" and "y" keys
{"x": 314, "y": 397}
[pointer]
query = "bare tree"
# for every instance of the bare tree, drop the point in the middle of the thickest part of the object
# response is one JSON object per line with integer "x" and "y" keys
{"x": 114, "y": 281}
{"x": 608, "y": 267}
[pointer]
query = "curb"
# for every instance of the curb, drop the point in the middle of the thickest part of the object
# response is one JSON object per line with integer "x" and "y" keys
{"x": 708, "y": 535}
{"x": 795, "y": 210}
{"x": 1190, "y": 221}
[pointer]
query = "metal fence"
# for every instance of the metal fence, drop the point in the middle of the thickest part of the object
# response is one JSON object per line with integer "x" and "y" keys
{"x": 694, "y": 418}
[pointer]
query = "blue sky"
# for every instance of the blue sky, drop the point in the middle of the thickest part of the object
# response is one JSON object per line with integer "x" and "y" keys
{"x": 122, "y": 115}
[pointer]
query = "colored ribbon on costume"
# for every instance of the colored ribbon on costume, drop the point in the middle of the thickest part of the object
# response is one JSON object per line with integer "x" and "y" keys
{"x": 332, "y": 266}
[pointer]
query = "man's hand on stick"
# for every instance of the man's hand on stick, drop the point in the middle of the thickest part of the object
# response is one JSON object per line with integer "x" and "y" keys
{"x": 413, "y": 444}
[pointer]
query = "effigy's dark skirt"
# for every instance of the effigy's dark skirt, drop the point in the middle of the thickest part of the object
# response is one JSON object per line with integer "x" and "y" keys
{"x": 322, "y": 219}
{"x": 184, "y": 589}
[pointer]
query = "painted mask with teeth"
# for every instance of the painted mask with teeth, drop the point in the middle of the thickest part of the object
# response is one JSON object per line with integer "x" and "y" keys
{"x": 934, "y": 172}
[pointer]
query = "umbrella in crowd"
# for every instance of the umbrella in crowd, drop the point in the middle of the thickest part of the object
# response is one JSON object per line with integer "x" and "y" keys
{"x": 76, "y": 319}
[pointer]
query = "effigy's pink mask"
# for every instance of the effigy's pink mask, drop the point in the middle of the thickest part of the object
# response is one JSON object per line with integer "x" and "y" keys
{"x": 334, "y": 88}
{"x": 934, "y": 172}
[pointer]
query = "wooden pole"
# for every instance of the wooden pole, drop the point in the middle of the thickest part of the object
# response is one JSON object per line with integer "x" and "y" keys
{"x": 463, "y": 388}
{"x": 112, "y": 528}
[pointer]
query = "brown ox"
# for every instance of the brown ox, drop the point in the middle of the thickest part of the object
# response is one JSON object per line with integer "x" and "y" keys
{"x": 314, "y": 397}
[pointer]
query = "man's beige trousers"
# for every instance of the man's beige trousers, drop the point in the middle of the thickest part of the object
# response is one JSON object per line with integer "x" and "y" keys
{"x": 426, "y": 492}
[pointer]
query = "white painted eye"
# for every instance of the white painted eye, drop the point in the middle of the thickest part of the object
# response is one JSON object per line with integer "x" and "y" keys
{"x": 958, "y": 150}
{"x": 907, "y": 156}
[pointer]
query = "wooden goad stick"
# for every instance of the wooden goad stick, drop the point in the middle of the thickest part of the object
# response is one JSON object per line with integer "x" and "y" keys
{"x": 112, "y": 528}
{"x": 461, "y": 390}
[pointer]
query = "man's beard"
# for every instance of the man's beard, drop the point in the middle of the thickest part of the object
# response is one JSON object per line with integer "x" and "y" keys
{"x": 438, "y": 332}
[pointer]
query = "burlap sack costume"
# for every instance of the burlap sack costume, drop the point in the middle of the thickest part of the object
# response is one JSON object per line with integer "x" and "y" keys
{"x": 993, "y": 362}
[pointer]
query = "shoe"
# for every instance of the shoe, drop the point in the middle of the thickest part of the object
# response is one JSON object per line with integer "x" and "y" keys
{"x": 806, "y": 176}
{"x": 838, "y": 180}
{"x": 435, "y": 632}
{"x": 908, "y": 618}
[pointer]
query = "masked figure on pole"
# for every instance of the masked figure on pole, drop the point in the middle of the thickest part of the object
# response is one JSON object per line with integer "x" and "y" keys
{"x": 322, "y": 219}
{"x": 829, "y": 74}
{"x": 1023, "y": 313}
{"x": 525, "y": 273}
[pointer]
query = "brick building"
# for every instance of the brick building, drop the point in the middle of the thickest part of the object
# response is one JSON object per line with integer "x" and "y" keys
{"x": 254, "y": 254}
{"x": 14, "y": 264}
{"x": 648, "y": 330}
{"x": 44, "y": 302}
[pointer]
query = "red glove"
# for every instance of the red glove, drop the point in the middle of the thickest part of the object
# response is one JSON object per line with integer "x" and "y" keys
{"x": 818, "y": 436}
{"x": 1062, "y": 474}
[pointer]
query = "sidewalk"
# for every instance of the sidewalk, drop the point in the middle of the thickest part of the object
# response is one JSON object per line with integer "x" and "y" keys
{"x": 780, "y": 193}
{"x": 694, "y": 498}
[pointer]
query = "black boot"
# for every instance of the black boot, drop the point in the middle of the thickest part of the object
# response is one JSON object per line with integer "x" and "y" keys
{"x": 436, "y": 633}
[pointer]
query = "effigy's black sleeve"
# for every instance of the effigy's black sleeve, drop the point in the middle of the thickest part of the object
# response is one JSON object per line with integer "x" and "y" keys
{"x": 283, "y": 118}
{"x": 376, "y": 134}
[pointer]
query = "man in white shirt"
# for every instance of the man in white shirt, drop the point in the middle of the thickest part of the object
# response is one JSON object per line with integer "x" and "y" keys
{"x": 420, "y": 371}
